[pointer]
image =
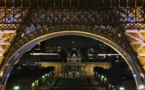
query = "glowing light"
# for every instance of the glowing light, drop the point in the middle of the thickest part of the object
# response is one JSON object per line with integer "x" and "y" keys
{"x": 142, "y": 75}
{"x": 8, "y": 31}
{"x": 1, "y": 73}
{"x": 43, "y": 76}
{"x": 5, "y": 38}
{"x": 36, "y": 81}
{"x": 105, "y": 79}
{"x": 136, "y": 38}
{"x": 8, "y": 75}
{"x": 136, "y": 42}
{"x": 110, "y": 54}
{"x": 6, "y": 35}
{"x": 141, "y": 54}
{"x": 16, "y": 88}
{"x": 131, "y": 30}
{"x": 33, "y": 84}
{"x": 4, "y": 43}
{"x": 140, "y": 47}
{"x": 91, "y": 35}
{"x": 44, "y": 53}
{"x": 121, "y": 88}
{"x": 134, "y": 75}
{"x": 141, "y": 87}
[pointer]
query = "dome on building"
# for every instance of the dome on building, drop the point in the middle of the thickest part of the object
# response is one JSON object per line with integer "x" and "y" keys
{"x": 74, "y": 53}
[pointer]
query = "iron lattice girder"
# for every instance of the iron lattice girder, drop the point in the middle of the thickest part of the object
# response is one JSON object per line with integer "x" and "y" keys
{"x": 6, "y": 36}
{"x": 137, "y": 38}
{"x": 53, "y": 16}
{"x": 107, "y": 18}
{"x": 10, "y": 18}
{"x": 128, "y": 18}
{"x": 17, "y": 18}
{"x": 13, "y": 18}
{"x": 107, "y": 31}
{"x": 71, "y": 3}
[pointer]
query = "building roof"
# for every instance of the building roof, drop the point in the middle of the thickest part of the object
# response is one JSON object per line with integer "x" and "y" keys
{"x": 74, "y": 53}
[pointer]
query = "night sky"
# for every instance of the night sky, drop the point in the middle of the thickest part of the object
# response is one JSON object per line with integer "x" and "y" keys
{"x": 71, "y": 41}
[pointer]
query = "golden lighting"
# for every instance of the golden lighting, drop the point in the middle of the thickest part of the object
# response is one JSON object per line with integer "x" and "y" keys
{"x": 86, "y": 34}
{"x": 137, "y": 38}
{"x": 50, "y": 35}
{"x": 1, "y": 73}
{"x": 6, "y": 37}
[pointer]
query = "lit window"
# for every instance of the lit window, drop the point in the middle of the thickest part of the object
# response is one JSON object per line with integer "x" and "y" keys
{"x": 90, "y": 54}
{"x": 44, "y": 53}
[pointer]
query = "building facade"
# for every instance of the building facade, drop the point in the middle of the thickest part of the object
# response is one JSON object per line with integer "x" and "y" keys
{"x": 74, "y": 66}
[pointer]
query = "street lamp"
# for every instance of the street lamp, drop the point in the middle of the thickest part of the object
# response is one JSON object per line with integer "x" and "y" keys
{"x": 16, "y": 88}
{"x": 43, "y": 76}
{"x": 121, "y": 88}
{"x": 102, "y": 79}
{"x": 33, "y": 84}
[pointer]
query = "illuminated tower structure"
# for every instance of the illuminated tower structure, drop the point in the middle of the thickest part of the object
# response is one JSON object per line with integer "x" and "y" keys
{"x": 118, "y": 23}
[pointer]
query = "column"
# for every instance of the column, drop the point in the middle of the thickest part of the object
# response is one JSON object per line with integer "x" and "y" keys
{"x": 76, "y": 71}
{"x": 92, "y": 71}
{"x": 83, "y": 70}
{"x": 79, "y": 71}
{"x": 64, "y": 71}
{"x": 67, "y": 71}
{"x": 56, "y": 71}
{"x": 87, "y": 71}
{"x": 60, "y": 70}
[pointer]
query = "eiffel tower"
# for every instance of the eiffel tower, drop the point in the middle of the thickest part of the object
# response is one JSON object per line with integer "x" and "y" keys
{"x": 119, "y": 24}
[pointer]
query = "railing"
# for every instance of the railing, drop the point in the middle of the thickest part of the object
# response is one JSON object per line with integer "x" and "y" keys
{"x": 104, "y": 81}
{"x": 45, "y": 81}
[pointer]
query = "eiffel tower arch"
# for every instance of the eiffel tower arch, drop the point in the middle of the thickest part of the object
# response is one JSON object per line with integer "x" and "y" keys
{"x": 119, "y": 24}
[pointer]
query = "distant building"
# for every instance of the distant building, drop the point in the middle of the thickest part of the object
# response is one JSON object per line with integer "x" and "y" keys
{"x": 52, "y": 49}
{"x": 74, "y": 66}
{"x": 41, "y": 53}
{"x": 72, "y": 62}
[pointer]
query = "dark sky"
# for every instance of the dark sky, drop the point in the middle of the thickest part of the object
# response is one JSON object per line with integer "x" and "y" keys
{"x": 71, "y": 41}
